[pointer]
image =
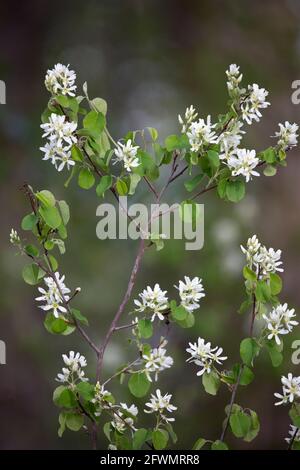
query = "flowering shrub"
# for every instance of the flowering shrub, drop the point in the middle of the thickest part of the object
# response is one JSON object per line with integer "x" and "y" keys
{"x": 78, "y": 141}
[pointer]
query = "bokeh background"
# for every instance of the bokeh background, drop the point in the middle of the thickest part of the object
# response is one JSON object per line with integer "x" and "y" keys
{"x": 149, "y": 59}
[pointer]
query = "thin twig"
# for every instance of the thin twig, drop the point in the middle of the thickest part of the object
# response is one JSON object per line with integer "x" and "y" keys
{"x": 123, "y": 304}
{"x": 290, "y": 446}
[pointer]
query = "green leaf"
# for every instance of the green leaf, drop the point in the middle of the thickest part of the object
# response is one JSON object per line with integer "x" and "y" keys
{"x": 211, "y": 382}
{"x": 193, "y": 183}
{"x": 54, "y": 325}
{"x": 104, "y": 185}
{"x": 240, "y": 424}
{"x": 46, "y": 198}
{"x": 107, "y": 430}
{"x": 121, "y": 187}
{"x": 247, "y": 376}
{"x": 145, "y": 328}
{"x": 139, "y": 438}
{"x": 221, "y": 188}
{"x": 160, "y": 439}
{"x": 86, "y": 178}
{"x": 213, "y": 158}
{"x": 275, "y": 355}
{"x": 100, "y": 105}
{"x": 248, "y": 351}
{"x": 174, "y": 142}
{"x": 249, "y": 274}
{"x": 295, "y": 414}
{"x": 268, "y": 155}
{"x": 94, "y": 122}
{"x": 51, "y": 216}
{"x": 172, "y": 434}
{"x": 29, "y": 221}
{"x": 81, "y": 318}
{"x": 199, "y": 443}
{"x": 62, "y": 424}
{"x": 74, "y": 421}
{"x": 53, "y": 262}
{"x": 188, "y": 322}
{"x": 32, "y": 274}
{"x": 153, "y": 133}
{"x": 76, "y": 154}
{"x": 179, "y": 313}
{"x": 235, "y": 190}
{"x": 139, "y": 384}
{"x": 263, "y": 292}
{"x": 275, "y": 284}
{"x": 270, "y": 170}
{"x": 64, "y": 398}
{"x": 64, "y": 211}
{"x": 32, "y": 250}
{"x": 254, "y": 427}
{"x": 85, "y": 390}
{"x": 134, "y": 181}
{"x": 219, "y": 445}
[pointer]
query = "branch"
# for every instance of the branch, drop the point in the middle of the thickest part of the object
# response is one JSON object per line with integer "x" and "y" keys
{"x": 120, "y": 310}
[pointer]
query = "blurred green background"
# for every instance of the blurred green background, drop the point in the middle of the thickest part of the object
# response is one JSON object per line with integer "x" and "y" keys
{"x": 149, "y": 60}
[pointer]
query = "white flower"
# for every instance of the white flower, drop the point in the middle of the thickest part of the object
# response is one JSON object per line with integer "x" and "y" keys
{"x": 253, "y": 245}
{"x": 189, "y": 116}
{"x": 101, "y": 398}
{"x": 230, "y": 139}
{"x": 157, "y": 361}
{"x": 60, "y": 80}
{"x": 290, "y": 390}
{"x": 65, "y": 159}
{"x": 153, "y": 299}
{"x": 127, "y": 154}
{"x": 294, "y": 434}
{"x": 234, "y": 76}
{"x": 280, "y": 321}
{"x": 160, "y": 404}
{"x": 265, "y": 260}
{"x": 201, "y": 133}
{"x": 14, "y": 237}
{"x": 243, "y": 163}
{"x": 55, "y": 296}
{"x": 61, "y": 136}
{"x": 73, "y": 372}
{"x": 287, "y": 135}
{"x": 190, "y": 292}
{"x": 203, "y": 355}
{"x": 121, "y": 418}
{"x": 255, "y": 101}
{"x": 268, "y": 260}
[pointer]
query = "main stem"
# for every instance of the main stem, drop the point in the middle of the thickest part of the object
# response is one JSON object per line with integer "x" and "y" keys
{"x": 131, "y": 283}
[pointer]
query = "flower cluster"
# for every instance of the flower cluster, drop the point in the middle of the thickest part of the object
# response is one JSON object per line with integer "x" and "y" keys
{"x": 280, "y": 322}
{"x": 243, "y": 163}
{"x": 14, "y": 237}
{"x": 203, "y": 355}
{"x": 290, "y": 390}
{"x": 61, "y": 80}
{"x": 201, "y": 133}
{"x": 55, "y": 296}
{"x": 102, "y": 398}
{"x": 61, "y": 136}
{"x": 287, "y": 135}
{"x": 263, "y": 260}
{"x": 160, "y": 404}
{"x": 234, "y": 77}
{"x": 230, "y": 139}
{"x": 254, "y": 101}
{"x": 124, "y": 417}
{"x": 156, "y": 361}
{"x": 189, "y": 116}
{"x": 127, "y": 154}
{"x": 153, "y": 299}
{"x": 73, "y": 372}
{"x": 190, "y": 292}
